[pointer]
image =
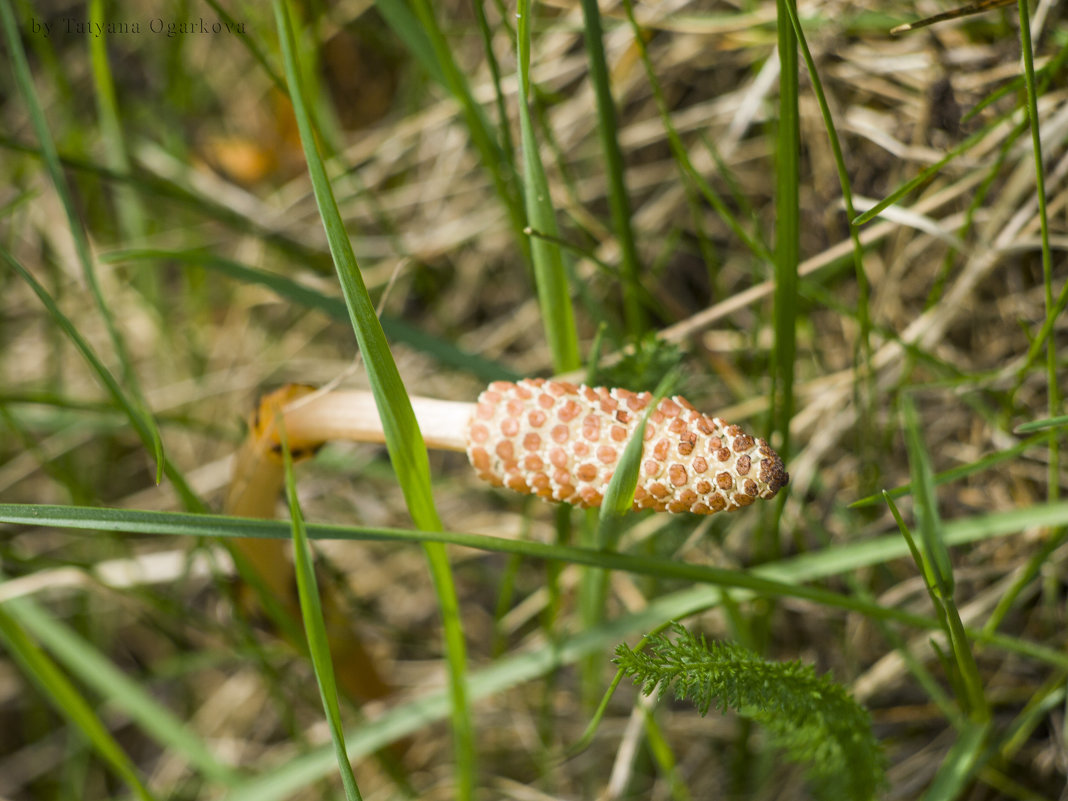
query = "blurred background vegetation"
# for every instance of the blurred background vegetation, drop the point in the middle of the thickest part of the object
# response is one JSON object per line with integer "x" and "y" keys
{"x": 179, "y": 239}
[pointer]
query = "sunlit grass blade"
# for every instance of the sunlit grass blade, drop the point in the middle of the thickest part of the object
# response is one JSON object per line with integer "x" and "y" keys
{"x": 551, "y": 277}
{"x": 83, "y": 661}
{"x": 618, "y": 198}
{"x": 135, "y": 406}
{"x": 618, "y": 499}
{"x": 68, "y": 702}
{"x": 619, "y": 494}
{"x": 1041, "y": 425}
{"x": 314, "y": 627}
{"x": 960, "y": 764}
{"x": 925, "y": 175}
{"x": 404, "y": 441}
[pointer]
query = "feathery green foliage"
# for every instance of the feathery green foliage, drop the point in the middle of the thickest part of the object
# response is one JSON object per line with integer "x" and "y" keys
{"x": 812, "y": 718}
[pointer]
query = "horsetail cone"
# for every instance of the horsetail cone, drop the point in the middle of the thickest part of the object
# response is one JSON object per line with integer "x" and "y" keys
{"x": 562, "y": 442}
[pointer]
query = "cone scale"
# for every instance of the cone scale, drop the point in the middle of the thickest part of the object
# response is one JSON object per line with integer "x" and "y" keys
{"x": 562, "y": 442}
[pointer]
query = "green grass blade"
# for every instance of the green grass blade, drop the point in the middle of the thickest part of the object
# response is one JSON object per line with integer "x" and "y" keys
{"x": 787, "y": 252}
{"x": 1052, "y": 383}
{"x": 802, "y": 568}
{"x": 130, "y": 213}
{"x": 314, "y": 627}
{"x": 1041, "y": 425}
{"x": 618, "y": 198}
{"x": 863, "y": 312}
{"x": 94, "y": 670}
{"x": 143, "y": 424}
{"x": 550, "y": 275}
{"x": 68, "y": 702}
{"x": 682, "y": 158}
{"x": 774, "y": 579}
{"x": 136, "y": 407}
{"x": 619, "y": 494}
{"x": 935, "y": 556}
{"x": 403, "y": 438}
{"x": 404, "y": 441}
{"x": 929, "y": 521}
{"x": 398, "y": 15}
{"x": 959, "y": 766}
{"x": 965, "y": 470}
{"x": 925, "y": 175}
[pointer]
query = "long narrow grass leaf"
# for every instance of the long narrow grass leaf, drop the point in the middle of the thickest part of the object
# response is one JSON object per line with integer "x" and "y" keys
{"x": 619, "y": 494}
{"x": 1053, "y": 387}
{"x": 442, "y": 64}
{"x": 618, "y": 198}
{"x": 404, "y": 441}
{"x": 314, "y": 627}
{"x": 68, "y": 702}
{"x": 775, "y": 579}
{"x": 143, "y": 424}
{"x": 134, "y": 406}
{"x": 959, "y": 765}
{"x": 82, "y": 660}
{"x": 930, "y": 523}
{"x": 550, "y": 276}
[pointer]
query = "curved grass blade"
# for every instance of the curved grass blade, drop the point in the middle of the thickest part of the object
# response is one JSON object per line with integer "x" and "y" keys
{"x": 404, "y": 441}
{"x": 143, "y": 424}
{"x": 137, "y": 408}
{"x": 68, "y": 702}
{"x": 93, "y": 669}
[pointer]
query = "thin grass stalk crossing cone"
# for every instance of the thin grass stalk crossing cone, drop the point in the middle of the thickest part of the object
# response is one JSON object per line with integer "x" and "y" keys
{"x": 562, "y": 442}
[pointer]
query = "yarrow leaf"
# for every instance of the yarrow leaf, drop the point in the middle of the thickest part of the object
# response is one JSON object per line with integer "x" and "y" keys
{"x": 812, "y": 718}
